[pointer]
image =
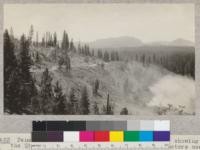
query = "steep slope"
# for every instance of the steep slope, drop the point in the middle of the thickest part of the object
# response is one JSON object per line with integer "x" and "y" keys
{"x": 129, "y": 84}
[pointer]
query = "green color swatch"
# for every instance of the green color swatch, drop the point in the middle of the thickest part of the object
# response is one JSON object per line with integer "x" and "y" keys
{"x": 131, "y": 136}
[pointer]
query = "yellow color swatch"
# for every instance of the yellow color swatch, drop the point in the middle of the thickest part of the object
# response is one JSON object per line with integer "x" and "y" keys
{"x": 116, "y": 136}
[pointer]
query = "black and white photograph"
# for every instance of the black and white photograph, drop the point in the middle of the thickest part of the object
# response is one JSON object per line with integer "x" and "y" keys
{"x": 99, "y": 59}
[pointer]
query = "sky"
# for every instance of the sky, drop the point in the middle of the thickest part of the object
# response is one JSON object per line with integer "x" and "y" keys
{"x": 89, "y": 22}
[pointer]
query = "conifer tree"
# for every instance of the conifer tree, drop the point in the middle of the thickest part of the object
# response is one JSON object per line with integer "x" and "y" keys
{"x": 43, "y": 42}
{"x": 11, "y": 75}
{"x": 106, "y": 57}
{"x": 12, "y": 90}
{"x": 67, "y": 63}
{"x": 79, "y": 48}
{"x": 37, "y": 58}
{"x": 30, "y": 36}
{"x": 96, "y": 87}
{"x": 73, "y": 102}
{"x": 25, "y": 59}
{"x": 108, "y": 109}
{"x": 54, "y": 39}
{"x": 10, "y": 61}
{"x": 27, "y": 89}
{"x": 46, "y": 92}
{"x": 116, "y": 56}
{"x": 59, "y": 107}
{"x": 37, "y": 39}
{"x": 65, "y": 42}
{"x": 92, "y": 54}
{"x": 124, "y": 111}
{"x": 100, "y": 54}
{"x": 71, "y": 46}
{"x": 96, "y": 108}
{"x": 84, "y": 103}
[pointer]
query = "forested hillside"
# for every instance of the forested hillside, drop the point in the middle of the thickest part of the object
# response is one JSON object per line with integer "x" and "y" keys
{"x": 51, "y": 76}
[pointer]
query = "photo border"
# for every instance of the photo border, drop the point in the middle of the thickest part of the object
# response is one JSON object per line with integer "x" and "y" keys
{"x": 179, "y": 124}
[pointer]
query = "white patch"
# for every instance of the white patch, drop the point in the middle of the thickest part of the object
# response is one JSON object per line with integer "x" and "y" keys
{"x": 174, "y": 89}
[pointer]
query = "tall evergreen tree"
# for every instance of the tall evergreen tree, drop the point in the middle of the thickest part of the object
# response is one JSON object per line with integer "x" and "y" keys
{"x": 11, "y": 74}
{"x": 10, "y": 61}
{"x": 65, "y": 42}
{"x": 96, "y": 108}
{"x": 30, "y": 36}
{"x": 46, "y": 92}
{"x": 67, "y": 63}
{"x": 55, "y": 39}
{"x": 112, "y": 56}
{"x": 100, "y": 54}
{"x": 25, "y": 59}
{"x": 84, "y": 103}
{"x": 96, "y": 87}
{"x": 37, "y": 39}
{"x": 12, "y": 102}
{"x": 73, "y": 102}
{"x": 37, "y": 57}
{"x": 108, "y": 109}
{"x": 79, "y": 48}
{"x": 27, "y": 89}
{"x": 71, "y": 46}
{"x": 59, "y": 107}
{"x": 43, "y": 42}
{"x": 106, "y": 57}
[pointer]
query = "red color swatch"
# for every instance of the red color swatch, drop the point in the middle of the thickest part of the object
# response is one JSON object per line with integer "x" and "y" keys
{"x": 101, "y": 136}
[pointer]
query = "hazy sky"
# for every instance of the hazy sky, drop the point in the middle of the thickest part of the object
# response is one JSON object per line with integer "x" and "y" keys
{"x": 88, "y": 22}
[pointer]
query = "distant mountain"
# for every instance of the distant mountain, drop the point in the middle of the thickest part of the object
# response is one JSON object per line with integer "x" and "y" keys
{"x": 181, "y": 42}
{"x": 128, "y": 42}
{"x": 177, "y": 42}
{"x": 116, "y": 42}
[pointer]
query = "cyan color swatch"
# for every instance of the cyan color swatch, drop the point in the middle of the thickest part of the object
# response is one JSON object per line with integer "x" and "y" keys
{"x": 146, "y": 136}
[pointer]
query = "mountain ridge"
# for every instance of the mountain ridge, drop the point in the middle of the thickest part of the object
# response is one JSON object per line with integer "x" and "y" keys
{"x": 130, "y": 41}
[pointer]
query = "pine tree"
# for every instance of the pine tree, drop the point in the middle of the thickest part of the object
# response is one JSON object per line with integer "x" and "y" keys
{"x": 112, "y": 56}
{"x": 11, "y": 75}
{"x": 108, "y": 109}
{"x": 79, "y": 48}
{"x": 67, "y": 63}
{"x": 60, "y": 62}
{"x": 12, "y": 35}
{"x": 25, "y": 59}
{"x": 116, "y": 56}
{"x": 43, "y": 42}
{"x": 106, "y": 56}
{"x": 71, "y": 46}
{"x": 84, "y": 103}
{"x": 96, "y": 87}
{"x": 37, "y": 39}
{"x": 124, "y": 111}
{"x": 31, "y": 33}
{"x": 100, "y": 54}
{"x": 37, "y": 58}
{"x": 92, "y": 53}
{"x": 54, "y": 39}
{"x": 10, "y": 61}
{"x": 96, "y": 108}
{"x": 59, "y": 107}
{"x": 46, "y": 92}
{"x": 12, "y": 89}
{"x": 27, "y": 89}
{"x": 73, "y": 102}
{"x": 65, "y": 42}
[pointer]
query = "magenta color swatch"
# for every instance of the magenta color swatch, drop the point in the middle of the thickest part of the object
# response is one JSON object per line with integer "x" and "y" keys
{"x": 86, "y": 136}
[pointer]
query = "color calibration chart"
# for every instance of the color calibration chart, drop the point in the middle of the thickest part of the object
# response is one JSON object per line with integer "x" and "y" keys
{"x": 105, "y": 134}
